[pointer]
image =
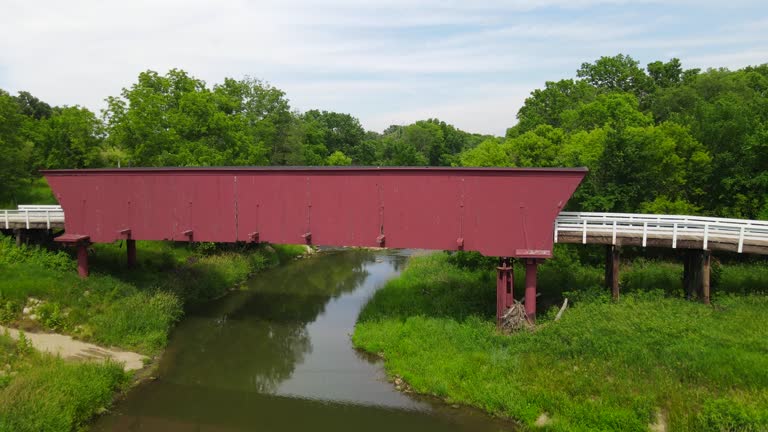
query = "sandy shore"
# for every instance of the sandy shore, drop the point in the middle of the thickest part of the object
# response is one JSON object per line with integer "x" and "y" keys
{"x": 71, "y": 349}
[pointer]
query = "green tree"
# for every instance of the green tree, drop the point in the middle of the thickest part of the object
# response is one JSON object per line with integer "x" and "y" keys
{"x": 546, "y": 106}
{"x": 667, "y": 74}
{"x": 427, "y": 138}
{"x": 70, "y": 138}
{"x": 341, "y": 132}
{"x": 14, "y": 152}
{"x": 618, "y": 73}
{"x": 175, "y": 120}
{"x": 269, "y": 125}
{"x": 615, "y": 109}
{"x": 33, "y": 107}
{"x": 489, "y": 153}
{"x": 338, "y": 158}
{"x": 396, "y": 151}
{"x": 537, "y": 148}
{"x": 728, "y": 113}
{"x": 641, "y": 164}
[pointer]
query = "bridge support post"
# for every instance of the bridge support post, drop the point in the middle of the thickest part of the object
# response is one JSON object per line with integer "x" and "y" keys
{"x": 706, "y": 260}
{"x": 130, "y": 246}
{"x": 504, "y": 288}
{"x": 531, "y": 267}
{"x": 80, "y": 242}
{"x": 82, "y": 259}
{"x": 612, "y": 257}
{"x": 692, "y": 274}
{"x": 696, "y": 275}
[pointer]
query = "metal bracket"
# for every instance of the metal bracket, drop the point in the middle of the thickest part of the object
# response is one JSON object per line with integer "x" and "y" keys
{"x": 380, "y": 240}
{"x": 307, "y": 237}
{"x": 460, "y": 243}
{"x": 254, "y": 236}
{"x": 188, "y": 233}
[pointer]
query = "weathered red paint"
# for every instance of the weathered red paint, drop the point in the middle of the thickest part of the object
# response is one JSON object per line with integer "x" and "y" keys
{"x": 531, "y": 268}
{"x": 496, "y": 211}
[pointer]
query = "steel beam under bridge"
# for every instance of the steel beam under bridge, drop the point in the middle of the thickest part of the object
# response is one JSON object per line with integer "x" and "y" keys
{"x": 505, "y": 212}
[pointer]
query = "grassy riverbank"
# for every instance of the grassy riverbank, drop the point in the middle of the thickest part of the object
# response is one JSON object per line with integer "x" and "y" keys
{"x": 116, "y": 307}
{"x": 128, "y": 308}
{"x": 39, "y": 392}
{"x": 603, "y": 366}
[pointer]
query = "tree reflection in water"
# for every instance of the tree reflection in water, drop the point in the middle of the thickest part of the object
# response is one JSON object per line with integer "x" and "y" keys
{"x": 253, "y": 339}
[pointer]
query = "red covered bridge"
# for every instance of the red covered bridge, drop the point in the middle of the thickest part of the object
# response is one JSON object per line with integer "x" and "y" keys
{"x": 504, "y": 212}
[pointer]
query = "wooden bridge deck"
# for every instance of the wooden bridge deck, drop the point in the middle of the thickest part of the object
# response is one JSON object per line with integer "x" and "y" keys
{"x": 666, "y": 231}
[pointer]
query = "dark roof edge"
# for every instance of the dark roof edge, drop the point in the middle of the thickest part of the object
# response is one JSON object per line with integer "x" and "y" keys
{"x": 305, "y": 168}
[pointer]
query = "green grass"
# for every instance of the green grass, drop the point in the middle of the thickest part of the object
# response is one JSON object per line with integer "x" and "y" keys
{"x": 603, "y": 366}
{"x": 116, "y": 306}
{"x": 39, "y": 392}
{"x": 34, "y": 192}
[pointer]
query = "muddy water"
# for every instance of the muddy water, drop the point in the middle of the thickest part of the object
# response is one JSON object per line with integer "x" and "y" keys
{"x": 278, "y": 357}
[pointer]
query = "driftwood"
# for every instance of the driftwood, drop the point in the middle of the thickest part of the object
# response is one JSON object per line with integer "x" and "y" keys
{"x": 515, "y": 319}
{"x": 562, "y": 309}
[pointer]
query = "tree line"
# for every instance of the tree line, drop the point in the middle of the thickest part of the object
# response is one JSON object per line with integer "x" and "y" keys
{"x": 656, "y": 139}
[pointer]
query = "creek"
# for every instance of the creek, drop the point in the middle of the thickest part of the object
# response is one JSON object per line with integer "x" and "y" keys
{"x": 277, "y": 356}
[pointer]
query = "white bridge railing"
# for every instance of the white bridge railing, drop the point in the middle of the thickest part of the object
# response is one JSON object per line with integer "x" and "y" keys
{"x": 669, "y": 227}
{"x": 30, "y": 215}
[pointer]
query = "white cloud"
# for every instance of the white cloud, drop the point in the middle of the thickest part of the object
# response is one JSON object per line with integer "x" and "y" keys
{"x": 385, "y": 61}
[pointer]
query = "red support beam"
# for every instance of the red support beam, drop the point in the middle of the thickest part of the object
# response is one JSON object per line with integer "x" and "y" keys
{"x": 503, "y": 288}
{"x": 531, "y": 267}
{"x": 81, "y": 242}
{"x": 130, "y": 246}
{"x": 509, "y": 299}
{"x": 82, "y": 259}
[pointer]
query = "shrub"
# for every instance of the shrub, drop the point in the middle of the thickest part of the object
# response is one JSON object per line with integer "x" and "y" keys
{"x": 51, "y": 316}
{"x": 54, "y": 260}
{"x": 55, "y": 395}
{"x": 141, "y": 321}
{"x": 8, "y": 311}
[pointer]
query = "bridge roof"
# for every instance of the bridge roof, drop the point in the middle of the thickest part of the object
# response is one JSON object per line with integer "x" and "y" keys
{"x": 314, "y": 169}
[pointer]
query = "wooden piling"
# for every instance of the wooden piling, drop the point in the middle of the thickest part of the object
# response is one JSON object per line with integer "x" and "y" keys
{"x": 612, "y": 258}
{"x": 706, "y": 260}
{"x": 130, "y": 246}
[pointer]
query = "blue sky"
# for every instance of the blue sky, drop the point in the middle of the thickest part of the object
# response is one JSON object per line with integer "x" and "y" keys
{"x": 470, "y": 63}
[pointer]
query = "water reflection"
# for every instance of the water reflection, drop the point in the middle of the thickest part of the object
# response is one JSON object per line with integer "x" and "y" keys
{"x": 278, "y": 357}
